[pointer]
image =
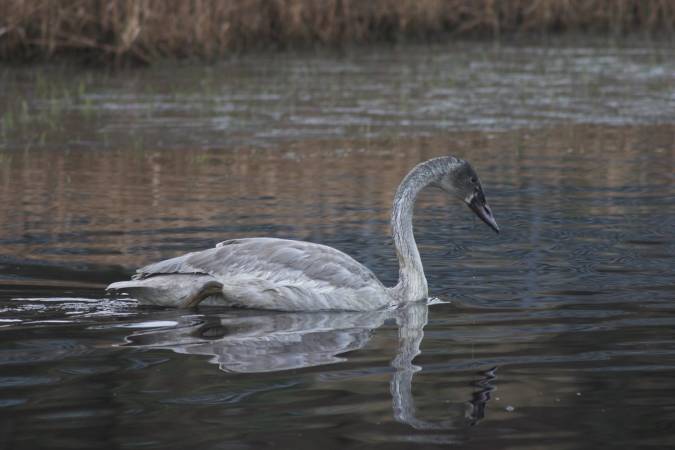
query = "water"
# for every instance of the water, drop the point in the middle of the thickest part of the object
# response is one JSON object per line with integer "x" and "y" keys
{"x": 556, "y": 334}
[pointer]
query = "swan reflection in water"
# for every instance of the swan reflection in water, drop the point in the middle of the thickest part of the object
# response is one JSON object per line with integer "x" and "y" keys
{"x": 248, "y": 341}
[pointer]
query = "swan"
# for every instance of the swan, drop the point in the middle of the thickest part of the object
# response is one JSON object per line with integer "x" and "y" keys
{"x": 289, "y": 275}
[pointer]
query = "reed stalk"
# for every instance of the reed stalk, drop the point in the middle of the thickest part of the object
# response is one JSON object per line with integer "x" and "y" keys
{"x": 145, "y": 30}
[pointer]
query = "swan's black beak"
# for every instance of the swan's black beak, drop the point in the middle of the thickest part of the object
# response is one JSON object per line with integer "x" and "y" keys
{"x": 479, "y": 205}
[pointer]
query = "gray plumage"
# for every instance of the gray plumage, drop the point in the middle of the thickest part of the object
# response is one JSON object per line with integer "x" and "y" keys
{"x": 280, "y": 274}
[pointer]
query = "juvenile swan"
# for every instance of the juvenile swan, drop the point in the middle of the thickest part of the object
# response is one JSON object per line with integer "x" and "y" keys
{"x": 287, "y": 275}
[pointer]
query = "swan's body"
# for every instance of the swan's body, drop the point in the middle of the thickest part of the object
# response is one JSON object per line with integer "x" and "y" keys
{"x": 280, "y": 274}
{"x": 263, "y": 273}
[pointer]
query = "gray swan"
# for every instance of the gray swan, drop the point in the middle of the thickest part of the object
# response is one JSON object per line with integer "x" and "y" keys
{"x": 288, "y": 275}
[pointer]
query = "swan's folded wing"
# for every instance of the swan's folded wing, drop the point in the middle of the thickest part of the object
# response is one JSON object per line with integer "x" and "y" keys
{"x": 270, "y": 259}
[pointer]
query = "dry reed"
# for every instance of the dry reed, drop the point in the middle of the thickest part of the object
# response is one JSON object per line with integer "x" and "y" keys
{"x": 146, "y": 30}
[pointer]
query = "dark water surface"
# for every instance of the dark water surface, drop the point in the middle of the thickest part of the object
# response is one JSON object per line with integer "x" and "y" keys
{"x": 557, "y": 334}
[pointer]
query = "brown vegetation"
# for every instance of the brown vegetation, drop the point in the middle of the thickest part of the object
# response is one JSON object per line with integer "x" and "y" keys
{"x": 149, "y": 29}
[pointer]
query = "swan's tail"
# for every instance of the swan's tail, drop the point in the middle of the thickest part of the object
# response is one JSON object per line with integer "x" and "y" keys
{"x": 176, "y": 290}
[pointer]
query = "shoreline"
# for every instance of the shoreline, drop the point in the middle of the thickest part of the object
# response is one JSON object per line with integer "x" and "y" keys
{"x": 126, "y": 33}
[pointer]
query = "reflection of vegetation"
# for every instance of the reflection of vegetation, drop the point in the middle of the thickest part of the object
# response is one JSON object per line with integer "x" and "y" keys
{"x": 144, "y": 31}
{"x": 137, "y": 205}
{"x": 35, "y": 109}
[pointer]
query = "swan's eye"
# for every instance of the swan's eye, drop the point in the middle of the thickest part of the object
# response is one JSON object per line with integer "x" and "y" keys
{"x": 474, "y": 180}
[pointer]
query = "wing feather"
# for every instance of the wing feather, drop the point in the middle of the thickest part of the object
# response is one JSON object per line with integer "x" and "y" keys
{"x": 277, "y": 260}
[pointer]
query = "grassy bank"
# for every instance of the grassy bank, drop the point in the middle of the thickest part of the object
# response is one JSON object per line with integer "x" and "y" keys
{"x": 145, "y": 30}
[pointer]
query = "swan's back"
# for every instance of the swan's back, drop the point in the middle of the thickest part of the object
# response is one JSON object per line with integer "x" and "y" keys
{"x": 269, "y": 273}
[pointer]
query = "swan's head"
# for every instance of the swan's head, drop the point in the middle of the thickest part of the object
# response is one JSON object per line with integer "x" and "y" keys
{"x": 461, "y": 181}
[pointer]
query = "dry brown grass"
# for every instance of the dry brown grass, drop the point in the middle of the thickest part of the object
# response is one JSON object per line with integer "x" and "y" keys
{"x": 145, "y": 30}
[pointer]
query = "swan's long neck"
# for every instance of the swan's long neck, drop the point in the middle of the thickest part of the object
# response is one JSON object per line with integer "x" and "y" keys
{"x": 412, "y": 284}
